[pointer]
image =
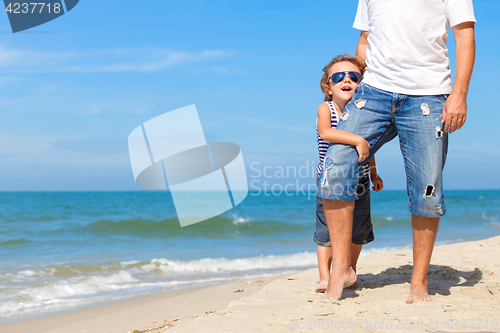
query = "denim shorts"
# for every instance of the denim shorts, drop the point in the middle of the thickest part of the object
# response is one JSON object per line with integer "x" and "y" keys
{"x": 379, "y": 116}
{"x": 362, "y": 228}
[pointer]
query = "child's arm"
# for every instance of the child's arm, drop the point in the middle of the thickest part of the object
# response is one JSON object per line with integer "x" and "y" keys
{"x": 327, "y": 133}
{"x": 377, "y": 182}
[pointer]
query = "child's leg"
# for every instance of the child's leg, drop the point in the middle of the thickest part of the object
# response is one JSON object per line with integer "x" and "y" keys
{"x": 355, "y": 251}
{"x": 362, "y": 228}
{"x": 324, "y": 264}
{"x": 324, "y": 251}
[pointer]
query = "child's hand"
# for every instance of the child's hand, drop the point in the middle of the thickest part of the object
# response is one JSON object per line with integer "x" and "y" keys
{"x": 378, "y": 183}
{"x": 363, "y": 148}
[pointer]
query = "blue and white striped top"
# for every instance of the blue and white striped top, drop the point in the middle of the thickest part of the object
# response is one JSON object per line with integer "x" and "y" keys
{"x": 323, "y": 145}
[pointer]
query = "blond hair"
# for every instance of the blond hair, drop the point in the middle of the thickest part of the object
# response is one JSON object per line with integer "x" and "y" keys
{"x": 323, "y": 83}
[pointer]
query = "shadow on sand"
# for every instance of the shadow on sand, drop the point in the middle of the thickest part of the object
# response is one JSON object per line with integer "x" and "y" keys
{"x": 440, "y": 279}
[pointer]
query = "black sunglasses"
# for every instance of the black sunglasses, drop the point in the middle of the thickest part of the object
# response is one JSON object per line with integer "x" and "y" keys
{"x": 339, "y": 76}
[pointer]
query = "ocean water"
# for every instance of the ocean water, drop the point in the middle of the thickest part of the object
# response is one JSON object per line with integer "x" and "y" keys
{"x": 64, "y": 250}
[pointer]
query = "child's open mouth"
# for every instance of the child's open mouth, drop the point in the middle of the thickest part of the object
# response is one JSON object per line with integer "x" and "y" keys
{"x": 346, "y": 88}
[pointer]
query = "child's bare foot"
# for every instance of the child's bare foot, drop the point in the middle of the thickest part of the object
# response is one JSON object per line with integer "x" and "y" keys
{"x": 355, "y": 284}
{"x": 418, "y": 294}
{"x": 321, "y": 287}
{"x": 338, "y": 282}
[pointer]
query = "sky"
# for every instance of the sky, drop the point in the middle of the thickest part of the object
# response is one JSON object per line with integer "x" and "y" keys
{"x": 73, "y": 89}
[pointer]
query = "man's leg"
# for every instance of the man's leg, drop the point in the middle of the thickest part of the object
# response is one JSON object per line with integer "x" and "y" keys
{"x": 339, "y": 219}
{"x": 424, "y": 146}
{"x": 424, "y": 236}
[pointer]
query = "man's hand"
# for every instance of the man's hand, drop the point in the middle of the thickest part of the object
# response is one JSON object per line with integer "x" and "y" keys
{"x": 454, "y": 112}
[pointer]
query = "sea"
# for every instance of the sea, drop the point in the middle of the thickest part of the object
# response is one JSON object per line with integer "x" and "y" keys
{"x": 62, "y": 251}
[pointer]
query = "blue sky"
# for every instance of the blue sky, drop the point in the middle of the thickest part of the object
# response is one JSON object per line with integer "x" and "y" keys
{"x": 73, "y": 89}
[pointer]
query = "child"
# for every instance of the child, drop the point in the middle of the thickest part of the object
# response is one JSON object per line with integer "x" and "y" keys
{"x": 340, "y": 79}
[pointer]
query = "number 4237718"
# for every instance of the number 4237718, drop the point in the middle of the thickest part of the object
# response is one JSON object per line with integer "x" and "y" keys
{"x": 24, "y": 8}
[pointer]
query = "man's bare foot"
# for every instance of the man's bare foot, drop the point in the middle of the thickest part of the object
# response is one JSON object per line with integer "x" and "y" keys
{"x": 345, "y": 279}
{"x": 353, "y": 286}
{"x": 321, "y": 287}
{"x": 418, "y": 294}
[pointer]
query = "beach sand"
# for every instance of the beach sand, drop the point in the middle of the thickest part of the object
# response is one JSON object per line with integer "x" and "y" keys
{"x": 464, "y": 282}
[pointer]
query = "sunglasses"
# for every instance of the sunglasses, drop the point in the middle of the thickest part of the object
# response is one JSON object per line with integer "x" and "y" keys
{"x": 339, "y": 76}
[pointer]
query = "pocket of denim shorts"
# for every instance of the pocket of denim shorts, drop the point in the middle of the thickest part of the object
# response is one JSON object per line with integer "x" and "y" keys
{"x": 357, "y": 88}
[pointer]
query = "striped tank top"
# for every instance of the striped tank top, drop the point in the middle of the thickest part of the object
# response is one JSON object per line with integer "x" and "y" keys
{"x": 323, "y": 145}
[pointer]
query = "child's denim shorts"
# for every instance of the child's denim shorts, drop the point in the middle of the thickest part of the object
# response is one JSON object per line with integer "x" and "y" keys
{"x": 362, "y": 227}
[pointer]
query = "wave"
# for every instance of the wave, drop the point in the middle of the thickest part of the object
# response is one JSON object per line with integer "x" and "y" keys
{"x": 26, "y": 218}
{"x": 62, "y": 287}
{"x": 169, "y": 266}
{"x": 495, "y": 225}
{"x": 216, "y": 227}
{"x": 228, "y": 265}
{"x": 389, "y": 221}
{"x": 14, "y": 242}
{"x": 238, "y": 219}
{"x": 376, "y": 250}
{"x": 61, "y": 294}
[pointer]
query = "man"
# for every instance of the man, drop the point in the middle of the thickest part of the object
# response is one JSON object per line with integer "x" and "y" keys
{"x": 406, "y": 92}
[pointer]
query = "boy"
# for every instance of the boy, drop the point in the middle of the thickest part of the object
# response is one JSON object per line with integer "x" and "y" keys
{"x": 340, "y": 79}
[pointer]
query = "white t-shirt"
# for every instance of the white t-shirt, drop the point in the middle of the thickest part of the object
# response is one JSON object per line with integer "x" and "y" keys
{"x": 408, "y": 53}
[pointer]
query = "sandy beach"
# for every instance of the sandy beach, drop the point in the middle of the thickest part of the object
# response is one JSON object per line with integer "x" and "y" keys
{"x": 463, "y": 281}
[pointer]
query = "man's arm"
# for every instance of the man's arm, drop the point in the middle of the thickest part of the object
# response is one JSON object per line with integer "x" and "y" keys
{"x": 362, "y": 45}
{"x": 455, "y": 108}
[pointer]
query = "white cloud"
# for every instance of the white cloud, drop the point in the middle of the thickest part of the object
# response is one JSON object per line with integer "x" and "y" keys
{"x": 112, "y": 60}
